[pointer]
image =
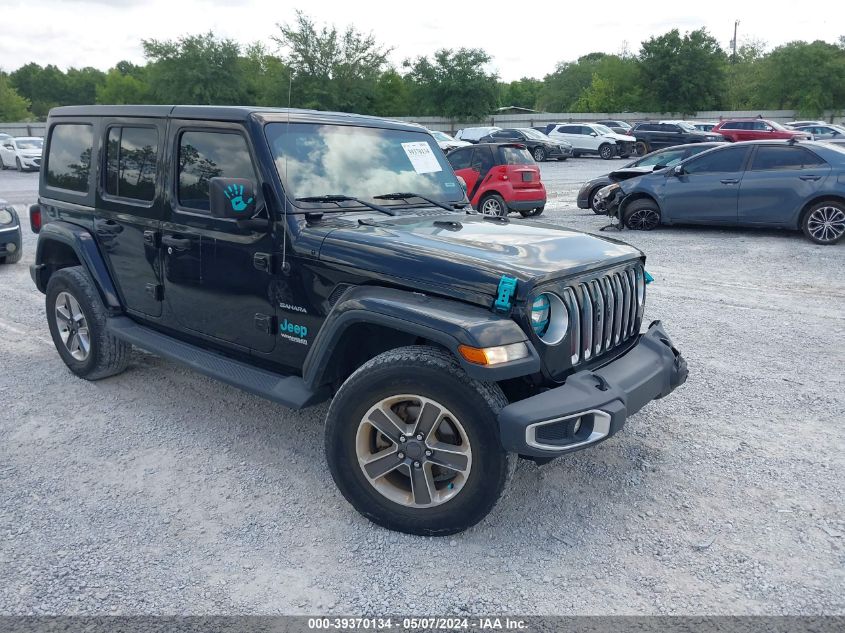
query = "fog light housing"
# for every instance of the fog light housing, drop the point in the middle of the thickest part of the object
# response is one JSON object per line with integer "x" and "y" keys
{"x": 11, "y": 247}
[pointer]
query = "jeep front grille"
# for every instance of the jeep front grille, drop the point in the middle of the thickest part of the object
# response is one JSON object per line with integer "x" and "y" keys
{"x": 604, "y": 312}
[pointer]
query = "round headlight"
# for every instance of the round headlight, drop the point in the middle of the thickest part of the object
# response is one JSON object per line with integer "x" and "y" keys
{"x": 5, "y": 216}
{"x": 549, "y": 318}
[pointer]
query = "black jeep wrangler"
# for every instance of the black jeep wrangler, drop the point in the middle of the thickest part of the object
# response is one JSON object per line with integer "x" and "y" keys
{"x": 307, "y": 256}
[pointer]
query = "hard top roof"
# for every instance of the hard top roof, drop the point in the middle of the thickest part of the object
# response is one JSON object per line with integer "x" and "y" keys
{"x": 229, "y": 113}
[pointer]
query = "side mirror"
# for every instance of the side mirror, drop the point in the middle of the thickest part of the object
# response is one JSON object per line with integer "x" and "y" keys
{"x": 593, "y": 134}
{"x": 658, "y": 167}
{"x": 232, "y": 198}
{"x": 462, "y": 183}
{"x": 678, "y": 170}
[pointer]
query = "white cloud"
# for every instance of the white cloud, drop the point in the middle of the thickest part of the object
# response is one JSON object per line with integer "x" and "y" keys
{"x": 524, "y": 40}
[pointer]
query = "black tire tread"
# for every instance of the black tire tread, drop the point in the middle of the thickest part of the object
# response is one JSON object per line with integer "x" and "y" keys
{"x": 110, "y": 355}
{"x": 438, "y": 360}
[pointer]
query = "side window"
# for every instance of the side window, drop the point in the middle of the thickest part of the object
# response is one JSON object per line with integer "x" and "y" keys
{"x": 776, "y": 157}
{"x": 724, "y": 160}
{"x": 669, "y": 127}
{"x": 460, "y": 158}
{"x": 569, "y": 129}
{"x": 731, "y": 126}
{"x": 761, "y": 125}
{"x": 131, "y": 162}
{"x": 207, "y": 155}
{"x": 482, "y": 159}
{"x": 69, "y": 158}
{"x": 503, "y": 134}
{"x": 588, "y": 130}
{"x": 649, "y": 127}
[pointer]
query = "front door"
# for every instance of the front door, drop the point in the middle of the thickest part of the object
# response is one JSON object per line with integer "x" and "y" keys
{"x": 708, "y": 189}
{"x": 129, "y": 210}
{"x": 217, "y": 277}
{"x": 779, "y": 180}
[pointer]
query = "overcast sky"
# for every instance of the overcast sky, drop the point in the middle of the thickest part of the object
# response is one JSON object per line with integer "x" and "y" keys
{"x": 524, "y": 38}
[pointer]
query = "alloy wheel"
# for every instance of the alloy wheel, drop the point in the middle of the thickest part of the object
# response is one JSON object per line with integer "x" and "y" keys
{"x": 491, "y": 206}
{"x": 643, "y": 220}
{"x": 72, "y": 326}
{"x": 413, "y": 451}
{"x": 826, "y": 224}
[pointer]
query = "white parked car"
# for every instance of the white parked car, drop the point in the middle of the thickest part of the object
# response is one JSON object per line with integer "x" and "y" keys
{"x": 593, "y": 138}
{"x": 797, "y": 124}
{"x": 23, "y": 152}
{"x": 446, "y": 142}
{"x": 472, "y": 134}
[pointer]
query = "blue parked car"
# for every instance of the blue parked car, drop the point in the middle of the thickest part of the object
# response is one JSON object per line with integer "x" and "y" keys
{"x": 772, "y": 184}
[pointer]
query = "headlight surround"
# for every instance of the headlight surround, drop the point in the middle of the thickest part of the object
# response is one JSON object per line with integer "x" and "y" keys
{"x": 6, "y": 216}
{"x": 605, "y": 192}
{"x": 549, "y": 318}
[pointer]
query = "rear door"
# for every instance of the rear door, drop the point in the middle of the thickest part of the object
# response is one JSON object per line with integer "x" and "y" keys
{"x": 667, "y": 135}
{"x": 129, "y": 202}
{"x": 213, "y": 283}
{"x": 780, "y": 179}
{"x": 708, "y": 190}
{"x": 570, "y": 133}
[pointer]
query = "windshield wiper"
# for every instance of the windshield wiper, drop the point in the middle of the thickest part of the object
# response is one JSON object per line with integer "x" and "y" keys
{"x": 405, "y": 196}
{"x": 337, "y": 199}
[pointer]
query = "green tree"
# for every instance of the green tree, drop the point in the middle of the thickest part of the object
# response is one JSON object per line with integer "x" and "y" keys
{"x": 44, "y": 87}
{"x": 393, "y": 96}
{"x": 13, "y": 107}
{"x": 455, "y": 84}
{"x": 119, "y": 89}
{"x": 522, "y": 93}
{"x": 332, "y": 70}
{"x": 809, "y": 77}
{"x": 684, "y": 74}
{"x": 615, "y": 87}
{"x": 81, "y": 85}
{"x": 744, "y": 77}
{"x": 196, "y": 69}
{"x": 562, "y": 88}
{"x": 267, "y": 77}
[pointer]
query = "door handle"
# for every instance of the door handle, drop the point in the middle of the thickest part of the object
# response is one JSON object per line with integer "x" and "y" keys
{"x": 729, "y": 181}
{"x": 179, "y": 243}
{"x": 810, "y": 177}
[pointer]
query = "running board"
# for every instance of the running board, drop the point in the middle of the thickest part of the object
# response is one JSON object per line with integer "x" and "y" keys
{"x": 290, "y": 391}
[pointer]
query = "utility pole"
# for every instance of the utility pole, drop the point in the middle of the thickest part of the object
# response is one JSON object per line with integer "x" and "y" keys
{"x": 733, "y": 43}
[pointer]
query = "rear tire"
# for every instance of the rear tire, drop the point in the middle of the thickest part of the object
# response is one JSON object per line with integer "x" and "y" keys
{"x": 493, "y": 204}
{"x": 606, "y": 151}
{"x": 18, "y": 164}
{"x": 77, "y": 320}
{"x": 14, "y": 258}
{"x": 642, "y": 215}
{"x": 395, "y": 390}
{"x": 641, "y": 148}
{"x": 539, "y": 154}
{"x": 2, "y": 164}
{"x": 824, "y": 222}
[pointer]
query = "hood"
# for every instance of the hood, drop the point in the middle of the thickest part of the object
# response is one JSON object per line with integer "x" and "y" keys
{"x": 621, "y": 137}
{"x": 627, "y": 173}
{"x": 468, "y": 250}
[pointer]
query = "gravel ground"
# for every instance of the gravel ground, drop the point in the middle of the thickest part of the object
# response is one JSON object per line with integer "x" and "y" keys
{"x": 160, "y": 491}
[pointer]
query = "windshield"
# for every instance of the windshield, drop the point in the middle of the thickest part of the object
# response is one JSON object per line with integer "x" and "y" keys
{"x": 364, "y": 162}
{"x": 29, "y": 143}
{"x": 601, "y": 129}
{"x": 532, "y": 133}
{"x": 441, "y": 136}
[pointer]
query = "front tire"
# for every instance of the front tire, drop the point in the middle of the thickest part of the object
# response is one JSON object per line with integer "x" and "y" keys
{"x": 493, "y": 204}
{"x": 77, "y": 321}
{"x": 606, "y": 151}
{"x": 641, "y": 148}
{"x": 539, "y": 154}
{"x": 412, "y": 442}
{"x": 594, "y": 202}
{"x": 642, "y": 215}
{"x": 824, "y": 222}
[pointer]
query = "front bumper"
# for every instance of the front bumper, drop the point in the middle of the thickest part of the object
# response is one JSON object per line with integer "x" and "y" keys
{"x": 10, "y": 241}
{"x": 593, "y": 404}
{"x": 30, "y": 162}
{"x": 624, "y": 148}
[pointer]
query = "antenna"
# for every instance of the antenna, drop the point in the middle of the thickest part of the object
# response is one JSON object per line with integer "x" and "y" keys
{"x": 285, "y": 265}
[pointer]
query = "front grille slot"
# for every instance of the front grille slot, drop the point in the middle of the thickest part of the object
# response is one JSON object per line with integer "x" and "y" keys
{"x": 604, "y": 312}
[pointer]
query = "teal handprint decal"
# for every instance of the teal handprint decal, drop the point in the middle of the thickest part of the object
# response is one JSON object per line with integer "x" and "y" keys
{"x": 235, "y": 195}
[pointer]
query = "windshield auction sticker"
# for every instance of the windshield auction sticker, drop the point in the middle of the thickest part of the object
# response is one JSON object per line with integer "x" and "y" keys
{"x": 421, "y": 157}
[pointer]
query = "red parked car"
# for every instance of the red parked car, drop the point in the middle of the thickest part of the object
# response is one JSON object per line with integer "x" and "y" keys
{"x": 756, "y": 130}
{"x": 500, "y": 178}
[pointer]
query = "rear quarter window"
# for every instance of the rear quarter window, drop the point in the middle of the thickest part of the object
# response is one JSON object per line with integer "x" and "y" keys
{"x": 69, "y": 156}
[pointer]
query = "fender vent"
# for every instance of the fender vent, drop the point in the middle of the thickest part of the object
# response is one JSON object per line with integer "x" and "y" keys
{"x": 338, "y": 291}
